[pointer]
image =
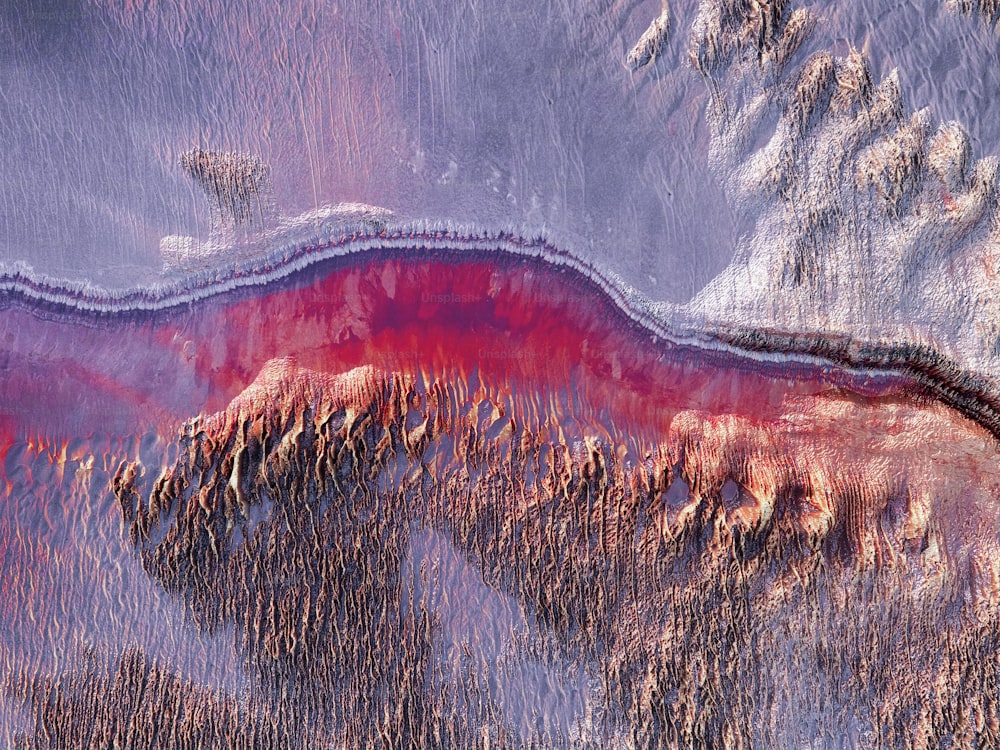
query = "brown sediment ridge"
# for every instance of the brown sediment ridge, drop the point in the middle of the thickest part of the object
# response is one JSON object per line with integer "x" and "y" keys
{"x": 730, "y": 581}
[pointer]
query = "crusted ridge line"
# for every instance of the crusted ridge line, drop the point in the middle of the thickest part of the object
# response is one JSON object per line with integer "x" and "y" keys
{"x": 974, "y": 395}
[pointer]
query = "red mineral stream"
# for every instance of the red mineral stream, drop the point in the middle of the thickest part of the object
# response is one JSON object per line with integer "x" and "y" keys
{"x": 521, "y": 323}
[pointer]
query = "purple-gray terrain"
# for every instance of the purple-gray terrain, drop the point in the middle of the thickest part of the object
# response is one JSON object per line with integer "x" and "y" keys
{"x": 499, "y": 375}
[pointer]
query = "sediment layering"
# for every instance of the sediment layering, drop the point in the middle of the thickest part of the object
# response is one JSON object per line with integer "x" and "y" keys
{"x": 307, "y": 255}
{"x": 292, "y": 492}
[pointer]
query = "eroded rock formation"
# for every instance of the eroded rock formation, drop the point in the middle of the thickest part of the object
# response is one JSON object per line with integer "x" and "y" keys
{"x": 869, "y": 219}
{"x": 238, "y": 186}
{"x": 651, "y": 43}
{"x": 828, "y": 573}
{"x": 138, "y": 703}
